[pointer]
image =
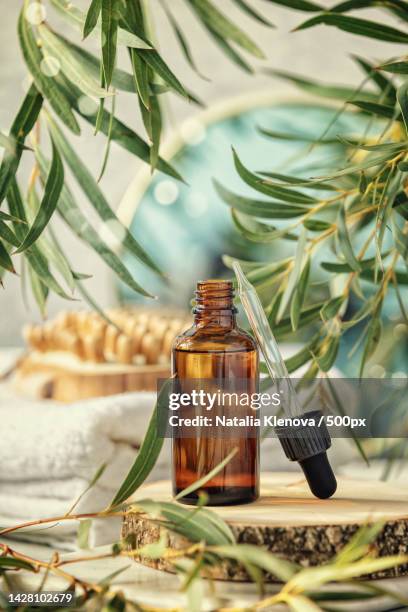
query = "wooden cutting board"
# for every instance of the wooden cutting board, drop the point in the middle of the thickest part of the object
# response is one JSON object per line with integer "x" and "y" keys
{"x": 289, "y": 522}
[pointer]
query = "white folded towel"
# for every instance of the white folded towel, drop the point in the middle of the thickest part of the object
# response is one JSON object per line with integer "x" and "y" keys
{"x": 51, "y": 451}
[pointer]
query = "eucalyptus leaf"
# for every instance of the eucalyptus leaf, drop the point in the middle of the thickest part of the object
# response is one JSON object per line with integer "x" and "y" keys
{"x": 327, "y": 355}
{"x": 316, "y": 225}
{"x": 13, "y": 563}
{"x": 7, "y": 234}
{"x": 299, "y": 5}
{"x": 402, "y": 97}
{"x": 255, "y": 555}
{"x": 294, "y": 276}
{"x": 46, "y": 85}
{"x": 225, "y": 28}
{"x": 55, "y": 47}
{"x": 182, "y": 40}
{"x": 22, "y": 125}
{"x": 299, "y": 295}
{"x": 247, "y": 8}
{"x": 52, "y": 191}
{"x": 148, "y": 452}
{"x": 5, "y": 259}
{"x": 375, "y": 108}
{"x": 345, "y": 241}
{"x": 259, "y": 232}
{"x": 400, "y": 67}
{"x": 92, "y": 17}
{"x": 332, "y": 307}
{"x": 111, "y": 13}
{"x": 229, "y": 50}
{"x": 355, "y": 25}
{"x": 280, "y": 192}
{"x": 259, "y": 208}
{"x": 309, "y": 315}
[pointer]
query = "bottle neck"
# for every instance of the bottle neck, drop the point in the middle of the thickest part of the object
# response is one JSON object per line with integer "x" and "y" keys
{"x": 214, "y": 304}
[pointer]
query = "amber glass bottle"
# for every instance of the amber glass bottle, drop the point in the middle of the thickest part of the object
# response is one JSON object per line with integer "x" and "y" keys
{"x": 214, "y": 348}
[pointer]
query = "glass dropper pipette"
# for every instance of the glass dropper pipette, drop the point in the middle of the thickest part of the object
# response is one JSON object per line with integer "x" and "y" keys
{"x": 305, "y": 444}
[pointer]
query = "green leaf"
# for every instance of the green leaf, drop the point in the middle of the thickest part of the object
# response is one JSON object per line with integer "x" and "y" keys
{"x": 252, "y": 13}
{"x": 309, "y": 315}
{"x": 37, "y": 261}
{"x": 370, "y": 162}
{"x": 294, "y": 138}
{"x": 277, "y": 191}
{"x": 55, "y": 47}
{"x": 111, "y": 13}
{"x": 294, "y": 180}
{"x": 316, "y": 225}
{"x": 345, "y": 242}
{"x": 225, "y": 28}
{"x": 228, "y": 50}
{"x": 157, "y": 64}
{"x": 332, "y": 307}
{"x": 202, "y": 481}
{"x": 293, "y": 279}
{"x": 338, "y": 268}
{"x": 96, "y": 196}
{"x": 255, "y": 555}
{"x": 327, "y": 356}
{"x": 374, "y": 108}
{"x": 391, "y": 147}
{"x": 83, "y": 533}
{"x": 46, "y": 85}
{"x": 402, "y": 98}
{"x": 48, "y": 245}
{"x": 6, "y": 217}
{"x": 74, "y": 218}
{"x": 400, "y": 67}
{"x": 402, "y": 277}
{"x": 300, "y": 358}
{"x": 299, "y": 295}
{"x": 13, "y": 563}
{"x": 92, "y": 17}
{"x": 156, "y": 129}
{"x": 5, "y": 259}
{"x": 338, "y": 92}
{"x": 182, "y": 40}
{"x": 141, "y": 78}
{"x": 355, "y": 25}
{"x": 21, "y": 126}
{"x": 76, "y": 18}
{"x": 52, "y": 191}
{"x": 108, "y": 141}
{"x": 148, "y": 452}
{"x": 259, "y": 208}
{"x": 299, "y": 5}
{"x": 7, "y": 234}
{"x": 197, "y": 525}
{"x": 259, "y": 232}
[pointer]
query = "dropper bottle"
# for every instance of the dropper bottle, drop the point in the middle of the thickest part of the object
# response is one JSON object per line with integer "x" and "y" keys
{"x": 307, "y": 444}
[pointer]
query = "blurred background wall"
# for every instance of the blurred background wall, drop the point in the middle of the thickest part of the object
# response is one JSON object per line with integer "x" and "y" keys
{"x": 321, "y": 53}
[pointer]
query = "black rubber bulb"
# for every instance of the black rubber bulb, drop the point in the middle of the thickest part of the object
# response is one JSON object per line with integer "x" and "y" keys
{"x": 319, "y": 475}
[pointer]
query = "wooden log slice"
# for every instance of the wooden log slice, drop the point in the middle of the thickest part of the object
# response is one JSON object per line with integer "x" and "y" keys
{"x": 289, "y": 522}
